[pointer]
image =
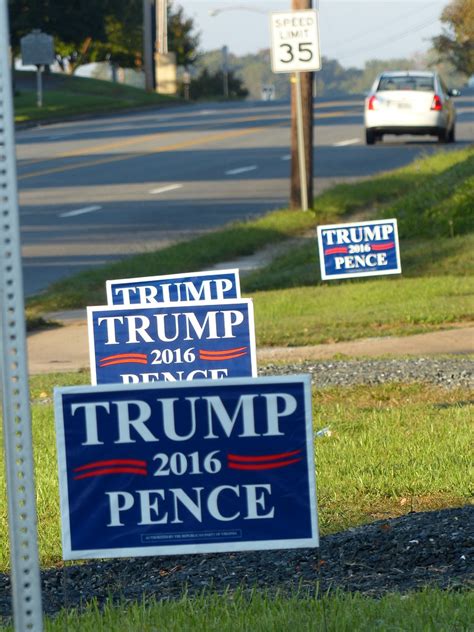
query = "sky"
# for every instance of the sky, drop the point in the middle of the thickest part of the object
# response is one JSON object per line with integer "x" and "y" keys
{"x": 351, "y": 31}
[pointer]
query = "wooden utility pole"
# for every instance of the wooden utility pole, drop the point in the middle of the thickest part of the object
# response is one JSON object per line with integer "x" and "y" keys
{"x": 148, "y": 66}
{"x": 307, "y": 99}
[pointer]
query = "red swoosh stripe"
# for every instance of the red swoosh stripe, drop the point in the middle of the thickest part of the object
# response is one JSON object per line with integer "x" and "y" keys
{"x": 262, "y": 466}
{"x": 111, "y": 466}
{"x": 123, "y": 358}
{"x": 95, "y": 464}
{"x": 267, "y": 457}
{"x": 223, "y": 352}
{"x": 262, "y": 462}
{"x": 130, "y": 361}
{"x": 112, "y": 470}
{"x": 202, "y": 356}
{"x": 383, "y": 246}
{"x": 332, "y": 251}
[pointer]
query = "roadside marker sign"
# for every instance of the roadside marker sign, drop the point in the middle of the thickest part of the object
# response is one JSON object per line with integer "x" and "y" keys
{"x": 188, "y": 467}
{"x": 359, "y": 249}
{"x": 172, "y": 342}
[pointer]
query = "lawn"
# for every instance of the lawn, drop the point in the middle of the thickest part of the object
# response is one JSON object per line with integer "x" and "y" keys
{"x": 65, "y": 96}
{"x": 431, "y": 200}
{"x": 393, "y": 448}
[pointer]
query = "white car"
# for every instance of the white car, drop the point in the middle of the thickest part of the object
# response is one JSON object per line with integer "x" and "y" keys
{"x": 410, "y": 102}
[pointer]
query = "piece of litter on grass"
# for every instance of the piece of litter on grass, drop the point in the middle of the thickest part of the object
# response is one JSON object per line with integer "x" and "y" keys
{"x": 324, "y": 432}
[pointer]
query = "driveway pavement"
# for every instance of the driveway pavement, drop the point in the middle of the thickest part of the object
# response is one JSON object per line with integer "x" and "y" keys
{"x": 66, "y": 348}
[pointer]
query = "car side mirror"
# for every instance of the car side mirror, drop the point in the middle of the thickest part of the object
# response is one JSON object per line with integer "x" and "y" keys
{"x": 454, "y": 92}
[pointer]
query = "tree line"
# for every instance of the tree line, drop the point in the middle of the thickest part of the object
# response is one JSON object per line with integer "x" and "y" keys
{"x": 112, "y": 30}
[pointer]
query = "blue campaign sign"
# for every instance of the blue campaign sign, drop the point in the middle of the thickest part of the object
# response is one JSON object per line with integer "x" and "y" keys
{"x": 359, "y": 249}
{"x": 173, "y": 342}
{"x": 216, "y": 285}
{"x": 188, "y": 467}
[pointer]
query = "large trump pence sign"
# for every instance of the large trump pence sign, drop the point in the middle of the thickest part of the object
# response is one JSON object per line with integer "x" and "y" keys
{"x": 359, "y": 249}
{"x": 152, "y": 469}
{"x": 173, "y": 342}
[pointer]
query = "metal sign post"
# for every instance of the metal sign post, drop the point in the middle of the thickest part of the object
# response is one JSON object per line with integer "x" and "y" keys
{"x": 25, "y": 573}
{"x": 37, "y": 49}
{"x": 301, "y": 152}
{"x": 295, "y": 48}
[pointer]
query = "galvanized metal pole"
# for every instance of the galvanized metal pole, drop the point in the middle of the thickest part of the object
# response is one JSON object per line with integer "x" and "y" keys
{"x": 39, "y": 85}
{"x": 25, "y": 571}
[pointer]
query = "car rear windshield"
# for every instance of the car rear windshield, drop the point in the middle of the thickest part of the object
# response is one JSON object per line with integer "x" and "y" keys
{"x": 407, "y": 82}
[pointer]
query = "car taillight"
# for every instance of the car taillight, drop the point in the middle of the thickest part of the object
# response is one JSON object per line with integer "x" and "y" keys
{"x": 373, "y": 103}
{"x": 437, "y": 103}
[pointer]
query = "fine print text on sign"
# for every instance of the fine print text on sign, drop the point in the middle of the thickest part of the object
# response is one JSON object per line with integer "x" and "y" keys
{"x": 173, "y": 342}
{"x": 359, "y": 249}
{"x": 217, "y": 285}
{"x": 295, "y": 41}
{"x": 190, "y": 467}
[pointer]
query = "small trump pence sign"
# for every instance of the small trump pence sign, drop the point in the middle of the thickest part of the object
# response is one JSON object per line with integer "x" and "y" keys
{"x": 186, "y": 467}
{"x": 359, "y": 249}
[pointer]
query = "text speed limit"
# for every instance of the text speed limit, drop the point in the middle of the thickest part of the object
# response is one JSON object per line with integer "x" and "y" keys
{"x": 295, "y": 41}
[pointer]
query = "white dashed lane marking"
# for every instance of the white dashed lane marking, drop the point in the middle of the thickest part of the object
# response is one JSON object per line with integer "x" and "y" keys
{"x": 80, "y": 211}
{"x": 234, "y": 172}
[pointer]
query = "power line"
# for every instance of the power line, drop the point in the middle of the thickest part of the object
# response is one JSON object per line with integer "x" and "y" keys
{"x": 384, "y": 42}
{"x": 384, "y": 25}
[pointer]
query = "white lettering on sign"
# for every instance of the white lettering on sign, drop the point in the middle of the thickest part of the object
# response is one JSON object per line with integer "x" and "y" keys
{"x": 213, "y": 325}
{"x": 179, "y": 291}
{"x": 170, "y": 506}
{"x": 178, "y": 376}
{"x": 357, "y": 234}
{"x": 137, "y": 420}
{"x": 361, "y": 261}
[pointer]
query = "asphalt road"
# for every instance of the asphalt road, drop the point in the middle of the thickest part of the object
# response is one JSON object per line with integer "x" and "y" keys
{"x": 94, "y": 190}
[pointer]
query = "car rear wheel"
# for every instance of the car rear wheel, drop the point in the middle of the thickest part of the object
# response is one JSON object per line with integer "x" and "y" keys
{"x": 370, "y": 136}
{"x": 443, "y": 136}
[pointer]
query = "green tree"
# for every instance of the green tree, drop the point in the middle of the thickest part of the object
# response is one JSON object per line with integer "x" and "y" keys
{"x": 95, "y": 30}
{"x": 456, "y": 43}
{"x": 181, "y": 38}
{"x": 211, "y": 86}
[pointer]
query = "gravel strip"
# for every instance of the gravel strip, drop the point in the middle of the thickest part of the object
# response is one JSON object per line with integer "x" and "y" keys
{"x": 450, "y": 372}
{"x": 406, "y": 553}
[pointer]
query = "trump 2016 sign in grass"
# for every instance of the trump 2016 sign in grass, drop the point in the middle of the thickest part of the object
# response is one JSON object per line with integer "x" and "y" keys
{"x": 172, "y": 342}
{"x": 359, "y": 249}
{"x": 188, "y": 467}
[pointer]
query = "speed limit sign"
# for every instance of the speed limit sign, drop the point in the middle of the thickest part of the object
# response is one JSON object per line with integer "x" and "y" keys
{"x": 295, "y": 41}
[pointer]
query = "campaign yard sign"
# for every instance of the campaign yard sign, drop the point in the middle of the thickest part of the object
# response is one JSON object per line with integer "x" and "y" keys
{"x": 359, "y": 249}
{"x": 186, "y": 467}
{"x": 217, "y": 285}
{"x": 172, "y": 342}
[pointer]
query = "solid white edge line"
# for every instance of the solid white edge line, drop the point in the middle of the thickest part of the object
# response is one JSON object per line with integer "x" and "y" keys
{"x": 343, "y": 143}
{"x": 169, "y": 187}
{"x": 80, "y": 211}
{"x": 234, "y": 172}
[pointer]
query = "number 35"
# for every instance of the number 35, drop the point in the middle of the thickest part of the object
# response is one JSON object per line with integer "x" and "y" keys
{"x": 304, "y": 52}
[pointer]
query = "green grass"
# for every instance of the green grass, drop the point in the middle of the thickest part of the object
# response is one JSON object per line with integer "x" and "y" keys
{"x": 314, "y": 315}
{"x": 432, "y": 200}
{"x": 392, "y": 448}
{"x": 424, "y": 611}
{"x": 65, "y": 96}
